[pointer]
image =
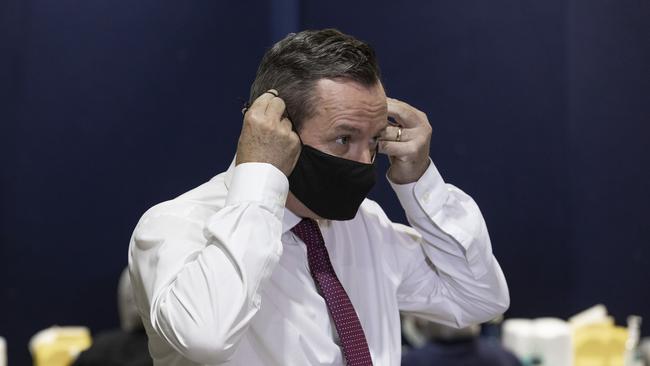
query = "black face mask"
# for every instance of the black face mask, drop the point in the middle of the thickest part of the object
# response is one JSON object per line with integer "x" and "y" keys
{"x": 330, "y": 186}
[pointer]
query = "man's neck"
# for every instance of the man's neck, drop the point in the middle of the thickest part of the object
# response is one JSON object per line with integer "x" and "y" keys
{"x": 299, "y": 209}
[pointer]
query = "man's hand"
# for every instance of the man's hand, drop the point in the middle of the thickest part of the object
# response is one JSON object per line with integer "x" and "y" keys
{"x": 266, "y": 137}
{"x": 407, "y": 151}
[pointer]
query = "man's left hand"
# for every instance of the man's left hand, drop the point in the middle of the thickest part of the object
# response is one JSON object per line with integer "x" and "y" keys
{"x": 408, "y": 150}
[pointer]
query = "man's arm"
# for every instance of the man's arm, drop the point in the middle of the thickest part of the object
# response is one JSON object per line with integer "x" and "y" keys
{"x": 197, "y": 281}
{"x": 453, "y": 278}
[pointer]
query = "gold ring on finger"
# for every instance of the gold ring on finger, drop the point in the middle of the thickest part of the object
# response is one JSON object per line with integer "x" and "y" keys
{"x": 399, "y": 134}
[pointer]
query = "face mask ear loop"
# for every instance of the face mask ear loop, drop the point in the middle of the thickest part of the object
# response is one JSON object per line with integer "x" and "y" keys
{"x": 374, "y": 157}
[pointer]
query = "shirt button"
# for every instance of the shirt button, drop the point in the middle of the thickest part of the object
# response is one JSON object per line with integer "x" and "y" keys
{"x": 426, "y": 197}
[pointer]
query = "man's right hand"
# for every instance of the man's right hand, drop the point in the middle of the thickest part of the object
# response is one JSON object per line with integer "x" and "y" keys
{"x": 267, "y": 137}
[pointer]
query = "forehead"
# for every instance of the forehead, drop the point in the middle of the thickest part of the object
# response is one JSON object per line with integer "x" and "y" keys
{"x": 349, "y": 103}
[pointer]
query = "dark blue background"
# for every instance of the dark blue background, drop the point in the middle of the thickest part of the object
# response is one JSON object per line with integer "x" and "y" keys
{"x": 540, "y": 111}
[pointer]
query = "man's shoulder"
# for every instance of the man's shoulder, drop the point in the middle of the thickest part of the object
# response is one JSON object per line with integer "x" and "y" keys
{"x": 371, "y": 211}
{"x": 195, "y": 204}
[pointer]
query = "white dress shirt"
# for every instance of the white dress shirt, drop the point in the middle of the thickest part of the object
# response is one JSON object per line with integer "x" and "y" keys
{"x": 220, "y": 278}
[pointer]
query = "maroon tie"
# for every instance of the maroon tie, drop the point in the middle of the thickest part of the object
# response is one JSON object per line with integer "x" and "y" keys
{"x": 355, "y": 347}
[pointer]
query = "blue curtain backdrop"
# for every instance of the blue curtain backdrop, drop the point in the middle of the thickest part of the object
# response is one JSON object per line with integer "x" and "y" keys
{"x": 540, "y": 111}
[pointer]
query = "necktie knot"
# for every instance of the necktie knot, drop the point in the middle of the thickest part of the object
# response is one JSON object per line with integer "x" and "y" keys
{"x": 308, "y": 231}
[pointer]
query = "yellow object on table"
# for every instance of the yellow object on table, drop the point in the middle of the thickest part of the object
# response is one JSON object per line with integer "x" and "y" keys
{"x": 599, "y": 345}
{"x": 59, "y": 346}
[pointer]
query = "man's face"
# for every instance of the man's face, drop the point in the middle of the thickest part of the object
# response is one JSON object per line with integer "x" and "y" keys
{"x": 348, "y": 119}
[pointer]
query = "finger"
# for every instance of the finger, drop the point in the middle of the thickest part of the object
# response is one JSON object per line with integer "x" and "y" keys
{"x": 272, "y": 91}
{"x": 286, "y": 125}
{"x": 405, "y": 114}
{"x": 392, "y": 133}
{"x": 260, "y": 104}
{"x": 393, "y": 148}
{"x": 275, "y": 109}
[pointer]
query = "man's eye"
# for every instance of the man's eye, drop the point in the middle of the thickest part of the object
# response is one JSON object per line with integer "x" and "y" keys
{"x": 343, "y": 140}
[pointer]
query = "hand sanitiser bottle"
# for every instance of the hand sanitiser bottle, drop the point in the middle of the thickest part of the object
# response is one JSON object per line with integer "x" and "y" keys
{"x": 632, "y": 354}
{"x": 3, "y": 352}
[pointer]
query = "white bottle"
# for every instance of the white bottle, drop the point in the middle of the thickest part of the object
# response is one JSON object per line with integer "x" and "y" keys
{"x": 3, "y": 352}
{"x": 632, "y": 354}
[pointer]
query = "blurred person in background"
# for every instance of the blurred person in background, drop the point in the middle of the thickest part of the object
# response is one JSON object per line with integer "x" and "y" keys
{"x": 436, "y": 344}
{"x": 126, "y": 346}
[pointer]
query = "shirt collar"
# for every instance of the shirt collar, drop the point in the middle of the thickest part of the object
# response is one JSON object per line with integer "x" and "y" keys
{"x": 289, "y": 219}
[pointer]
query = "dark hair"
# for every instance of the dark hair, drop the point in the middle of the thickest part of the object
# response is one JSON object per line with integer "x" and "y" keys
{"x": 294, "y": 65}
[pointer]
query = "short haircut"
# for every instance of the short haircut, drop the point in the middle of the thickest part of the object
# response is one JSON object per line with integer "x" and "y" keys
{"x": 294, "y": 65}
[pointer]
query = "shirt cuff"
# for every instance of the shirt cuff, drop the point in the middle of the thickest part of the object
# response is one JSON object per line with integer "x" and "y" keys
{"x": 425, "y": 197}
{"x": 259, "y": 182}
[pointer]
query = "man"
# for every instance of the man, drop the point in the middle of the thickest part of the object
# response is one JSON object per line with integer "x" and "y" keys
{"x": 281, "y": 260}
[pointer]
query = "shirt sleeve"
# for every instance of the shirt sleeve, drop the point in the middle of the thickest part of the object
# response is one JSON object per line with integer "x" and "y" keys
{"x": 199, "y": 279}
{"x": 452, "y": 278}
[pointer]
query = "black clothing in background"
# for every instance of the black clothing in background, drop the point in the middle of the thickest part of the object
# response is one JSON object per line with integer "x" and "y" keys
{"x": 117, "y": 348}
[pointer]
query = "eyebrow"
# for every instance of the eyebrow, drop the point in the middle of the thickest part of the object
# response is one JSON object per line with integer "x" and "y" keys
{"x": 347, "y": 128}
{"x": 351, "y": 129}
